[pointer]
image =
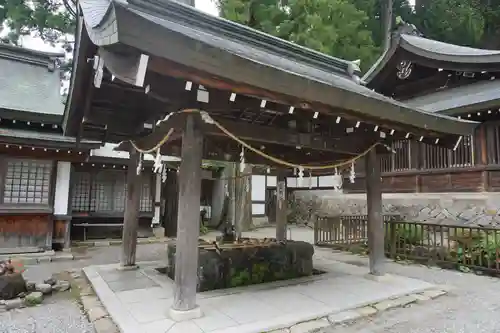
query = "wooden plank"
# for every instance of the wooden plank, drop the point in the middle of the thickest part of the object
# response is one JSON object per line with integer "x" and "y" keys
{"x": 188, "y": 223}
{"x": 281, "y": 207}
{"x": 375, "y": 220}
{"x": 131, "y": 220}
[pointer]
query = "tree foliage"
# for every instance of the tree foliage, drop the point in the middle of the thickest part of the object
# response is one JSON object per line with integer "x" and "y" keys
{"x": 51, "y": 20}
{"x": 334, "y": 27}
{"x": 459, "y": 22}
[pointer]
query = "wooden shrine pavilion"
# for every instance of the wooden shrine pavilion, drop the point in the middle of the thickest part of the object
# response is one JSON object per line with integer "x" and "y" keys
{"x": 220, "y": 91}
{"x": 441, "y": 78}
{"x": 36, "y": 158}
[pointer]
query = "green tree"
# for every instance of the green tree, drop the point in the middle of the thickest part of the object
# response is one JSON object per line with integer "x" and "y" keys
{"x": 459, "y": 22}
{"x": 51, "y": 20}
{"x": 334, "y": 27}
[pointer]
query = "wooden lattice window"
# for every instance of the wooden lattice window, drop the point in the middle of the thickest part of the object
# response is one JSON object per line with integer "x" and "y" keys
{"x": 80, "y": 196}
{"x": 27, "y": 182}
{"x": 106, "y": 191}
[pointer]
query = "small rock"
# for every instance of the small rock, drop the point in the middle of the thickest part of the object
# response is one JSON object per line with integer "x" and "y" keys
{"x": 366, "y": 311}
{"x": 33, "y": 298}
{"x": 11, "y": 285}
{"x": 90, "y": 302}
{"x": 394, "y": 303}
{"x": 15, "y": 303}
{"x": 105, "y": 325}
{"x": 44, "y": 288}
{"x": 50, "y": 281}
{"x": 61, "y": 286}
{"x": 30, "y": 286}
{"x": 343, "y": 316}
{"x": 433, "y": 293}
{"x": 96, "y": 313}
{"x": 420, "y": 298}
{"x": 310, "y": 326}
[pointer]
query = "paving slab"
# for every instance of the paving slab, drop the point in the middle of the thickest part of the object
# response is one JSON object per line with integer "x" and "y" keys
{"x": 138, "y": 301}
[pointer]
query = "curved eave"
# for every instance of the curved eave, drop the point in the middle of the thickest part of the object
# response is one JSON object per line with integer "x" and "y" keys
{"x": 80, "y": 75}
{"x": 435, "y": 54}
{"x": 448, "y": 53}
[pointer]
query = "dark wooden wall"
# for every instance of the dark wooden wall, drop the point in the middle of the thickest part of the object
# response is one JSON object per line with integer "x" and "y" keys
{"x": 25, "y": 233}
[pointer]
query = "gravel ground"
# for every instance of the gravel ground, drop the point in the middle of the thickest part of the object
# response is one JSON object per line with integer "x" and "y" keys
{"x": 470, "y": 307}
{"x": 55, "y": 315}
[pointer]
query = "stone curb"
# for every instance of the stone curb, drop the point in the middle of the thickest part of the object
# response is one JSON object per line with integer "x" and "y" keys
{"x": 349, "y": 316}
{"x": 92, "y": 306}
{"x": 41, "y": 259}
{"x": 118, "y": 242}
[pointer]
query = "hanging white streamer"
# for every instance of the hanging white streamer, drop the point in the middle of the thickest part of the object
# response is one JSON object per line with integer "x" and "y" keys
{"x": 139, "y": 165}
{"x": 242, "y": 160}
{"x": 352, "y": 174}
{"x": 301, "y": 176}
{"x": 157, "y": 165}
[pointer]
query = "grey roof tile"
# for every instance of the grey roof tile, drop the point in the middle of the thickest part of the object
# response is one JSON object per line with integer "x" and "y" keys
{"x": 29, "y": 82}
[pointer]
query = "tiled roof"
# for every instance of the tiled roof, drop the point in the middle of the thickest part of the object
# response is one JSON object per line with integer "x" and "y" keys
{"x": 30, "y": 82}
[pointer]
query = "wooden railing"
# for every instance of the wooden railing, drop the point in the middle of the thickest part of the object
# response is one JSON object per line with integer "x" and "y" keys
{"x": 448, "y": 246}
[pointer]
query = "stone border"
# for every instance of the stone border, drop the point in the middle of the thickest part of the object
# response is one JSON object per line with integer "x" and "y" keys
{"x": 113, "y": 242}
{"x": 366, "y": 311}
{"x": 42, "y": 258}
{"x": 91, "y": 305}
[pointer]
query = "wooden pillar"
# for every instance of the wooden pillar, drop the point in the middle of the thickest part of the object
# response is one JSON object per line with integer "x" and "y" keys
{"x": 171, "y": 197}
{"x": 188, "y": 223}
{"x": 131, "y": 219}
{"x": 281, "y": 207}
{"x": 243, "y": 200}
{"x": 375, "y": 220}
{"x": 231, "y": 221}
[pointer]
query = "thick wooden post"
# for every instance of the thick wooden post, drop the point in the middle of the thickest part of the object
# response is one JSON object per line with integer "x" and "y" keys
{"x": 188, "y": 224}
{"x": 375, "y": 221}
{"x": 281, "y": 207}
{"x": 131, "y": 219}
{"x": 171, "y": 197}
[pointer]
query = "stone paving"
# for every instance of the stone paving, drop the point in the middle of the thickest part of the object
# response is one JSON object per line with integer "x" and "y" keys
{"x": 138, "y": 301}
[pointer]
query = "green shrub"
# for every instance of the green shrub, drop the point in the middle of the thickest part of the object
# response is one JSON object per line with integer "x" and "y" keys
{"x": 405, "y": 233}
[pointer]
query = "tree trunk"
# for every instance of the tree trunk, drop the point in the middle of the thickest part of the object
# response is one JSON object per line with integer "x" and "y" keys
{"x": 386, "y": 11}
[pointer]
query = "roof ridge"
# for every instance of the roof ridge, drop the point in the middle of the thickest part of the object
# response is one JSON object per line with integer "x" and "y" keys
{"x": 196, "y": 18}
{"x": 29, "y": 56}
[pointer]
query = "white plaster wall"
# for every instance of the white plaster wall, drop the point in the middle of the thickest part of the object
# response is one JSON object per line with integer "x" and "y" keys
{"x": 61, "y": 196}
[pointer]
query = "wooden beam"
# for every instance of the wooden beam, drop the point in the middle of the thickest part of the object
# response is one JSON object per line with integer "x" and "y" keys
{"x": 375, "y": 221}
{"x": 131, "y": 220}
{"x": 188, "y": 223}
{"x": 281, "y": 207}
{"x": 265, "y": 135}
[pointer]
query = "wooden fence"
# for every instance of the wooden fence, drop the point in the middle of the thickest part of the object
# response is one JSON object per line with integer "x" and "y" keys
{"x": 449, "y": 246}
